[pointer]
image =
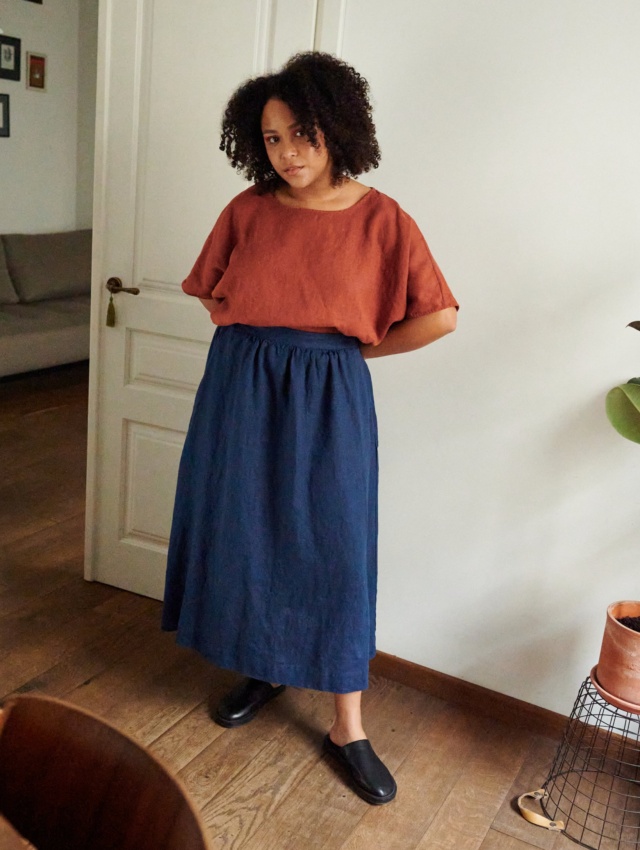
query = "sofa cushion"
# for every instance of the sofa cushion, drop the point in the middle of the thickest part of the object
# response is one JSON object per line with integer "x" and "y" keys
{"x": 36, "y": 336}
{"x": 49, "y": 265}
{"x": 8, "y": 294}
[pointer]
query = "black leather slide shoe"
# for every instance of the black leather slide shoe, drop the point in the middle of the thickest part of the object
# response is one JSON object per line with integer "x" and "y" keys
{"x": 369, "y": 777}
{"x": 244, "y": 701}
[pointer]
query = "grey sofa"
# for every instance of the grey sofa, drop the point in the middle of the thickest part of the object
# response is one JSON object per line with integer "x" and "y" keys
{"x": 45, "y": 282}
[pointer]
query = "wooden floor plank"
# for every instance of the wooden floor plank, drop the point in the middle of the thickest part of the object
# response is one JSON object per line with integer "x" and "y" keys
{"x": 153, "y": 678}
{"x": 465, "y": 817}
{"x": 55, "y": 548}
{"x": 44, "y": 636}
{"x": 532, "y": 775}
{"x": 43, "y": 615}
{"x": 177, "y": 690}
{"x": 119, "y": 635}
{"x": 42, "y": 450}
{"x": 22, "y": 394}
{"x": 496, "y": 840}
{"x": 226, "y": 757}
{"x": 20, "y": 520}
{"x": 500, "y": 841}
{"x": 252, "y": 797}
{"x": 182, "y": 742}
{"x": 425, "y": 780}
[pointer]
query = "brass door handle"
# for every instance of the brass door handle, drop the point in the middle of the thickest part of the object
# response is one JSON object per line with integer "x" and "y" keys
{"x": 114, "y": 284}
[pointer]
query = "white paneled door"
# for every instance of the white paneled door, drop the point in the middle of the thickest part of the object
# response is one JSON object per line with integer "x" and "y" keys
{"x": 166, "y": 68}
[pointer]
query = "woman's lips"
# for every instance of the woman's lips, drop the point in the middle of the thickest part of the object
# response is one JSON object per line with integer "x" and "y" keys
{"x": 293, "y": 170}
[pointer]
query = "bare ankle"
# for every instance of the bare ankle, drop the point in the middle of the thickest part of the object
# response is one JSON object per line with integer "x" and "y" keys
{"x": 342, "y": 734}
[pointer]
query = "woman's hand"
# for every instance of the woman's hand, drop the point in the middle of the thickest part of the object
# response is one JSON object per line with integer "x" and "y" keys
{"x": 413, "y": 333}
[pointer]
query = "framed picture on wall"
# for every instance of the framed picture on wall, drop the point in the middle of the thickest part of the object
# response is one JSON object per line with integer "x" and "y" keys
{"x": 9, "y": 58}
{"x": 4, "y": 115}
{"x": 36, "y": 71}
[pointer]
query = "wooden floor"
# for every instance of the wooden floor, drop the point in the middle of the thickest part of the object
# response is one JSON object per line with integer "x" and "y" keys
{"x": 263, "y": 785}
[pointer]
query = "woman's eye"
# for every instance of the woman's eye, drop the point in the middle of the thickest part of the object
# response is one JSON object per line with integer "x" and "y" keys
{"x": 271, "y": 140}
{"x": 300, "y": 134}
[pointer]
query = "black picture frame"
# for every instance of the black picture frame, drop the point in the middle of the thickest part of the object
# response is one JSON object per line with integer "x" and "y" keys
{"x": 5, "y": 124}
{"x": 10, "y": 56}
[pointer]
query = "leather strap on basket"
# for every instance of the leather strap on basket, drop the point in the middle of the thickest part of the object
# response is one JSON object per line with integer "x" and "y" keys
{"x": 534, "y": 817}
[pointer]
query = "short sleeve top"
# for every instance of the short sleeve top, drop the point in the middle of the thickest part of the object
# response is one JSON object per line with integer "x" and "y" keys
{"x": 355, "y": 271}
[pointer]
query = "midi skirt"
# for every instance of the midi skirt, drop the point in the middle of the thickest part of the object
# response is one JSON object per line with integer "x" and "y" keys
{"x": 272, "y": 563}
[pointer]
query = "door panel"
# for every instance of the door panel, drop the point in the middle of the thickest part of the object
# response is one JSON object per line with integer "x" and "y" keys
{"x": 165, "y": 73}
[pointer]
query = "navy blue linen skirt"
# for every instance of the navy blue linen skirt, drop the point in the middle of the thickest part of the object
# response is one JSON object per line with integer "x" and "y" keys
{"x": 272, "y": 564}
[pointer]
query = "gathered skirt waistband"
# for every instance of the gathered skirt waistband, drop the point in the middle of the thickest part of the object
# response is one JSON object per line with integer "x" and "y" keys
{"x": 296, "y": 338}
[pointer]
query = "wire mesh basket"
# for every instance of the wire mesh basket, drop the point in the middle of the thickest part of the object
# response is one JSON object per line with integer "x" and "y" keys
{"x": 593, "y": 789}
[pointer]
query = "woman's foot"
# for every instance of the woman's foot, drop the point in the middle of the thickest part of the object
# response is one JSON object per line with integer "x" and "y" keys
{"x": 369, "y": 776}
{"x": 244, "y": 701}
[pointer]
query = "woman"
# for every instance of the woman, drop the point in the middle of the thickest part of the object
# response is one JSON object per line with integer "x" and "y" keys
{"x": 272, "y": 560}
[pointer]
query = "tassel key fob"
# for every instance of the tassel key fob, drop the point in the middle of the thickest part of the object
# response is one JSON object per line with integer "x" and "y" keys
{"x": 114, "y": 285}
{"x": 111, "y": 313}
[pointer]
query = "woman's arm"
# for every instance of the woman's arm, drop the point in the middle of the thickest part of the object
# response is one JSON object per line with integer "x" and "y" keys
{"x": 413, "y": 333}
{"x": 403, "y": 336}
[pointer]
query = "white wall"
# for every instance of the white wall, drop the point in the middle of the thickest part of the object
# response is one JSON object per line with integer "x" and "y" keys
{"x": 510, "y": 509}
{"x": 39, "y": 162}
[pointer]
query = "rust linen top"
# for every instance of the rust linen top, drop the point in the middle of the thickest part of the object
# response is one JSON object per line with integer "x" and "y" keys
{"x": 356, "y": 271}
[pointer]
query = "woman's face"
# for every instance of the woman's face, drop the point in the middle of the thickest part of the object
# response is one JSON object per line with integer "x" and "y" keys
{"x": 294, "y": 158}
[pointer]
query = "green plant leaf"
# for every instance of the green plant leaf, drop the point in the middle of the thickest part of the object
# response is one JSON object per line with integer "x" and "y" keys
{"x": 623, "y": 410}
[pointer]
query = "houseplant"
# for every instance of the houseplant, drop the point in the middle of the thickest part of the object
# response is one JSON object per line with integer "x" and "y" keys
{"x": 623, "y": 405}
{"x": 618, "y": 670}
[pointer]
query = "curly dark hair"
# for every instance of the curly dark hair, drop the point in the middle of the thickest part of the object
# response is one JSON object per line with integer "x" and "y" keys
{"x": 323, "y": 93}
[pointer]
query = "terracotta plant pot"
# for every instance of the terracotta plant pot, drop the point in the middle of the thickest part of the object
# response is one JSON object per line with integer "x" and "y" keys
{"x": 618, "y": 670}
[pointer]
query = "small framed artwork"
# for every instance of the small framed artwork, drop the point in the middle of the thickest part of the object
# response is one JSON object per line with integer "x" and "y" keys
{"x": 36, "y": 71}
{"x": 4, "y": 115}
{"x": 9, "y": 58}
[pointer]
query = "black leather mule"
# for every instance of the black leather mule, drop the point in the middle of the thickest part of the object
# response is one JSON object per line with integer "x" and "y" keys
{"x": 369, "y": 777}
{"x": 244, "y": 701}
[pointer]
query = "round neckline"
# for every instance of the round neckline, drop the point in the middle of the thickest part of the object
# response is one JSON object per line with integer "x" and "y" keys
{"x": 358, "y": 203}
